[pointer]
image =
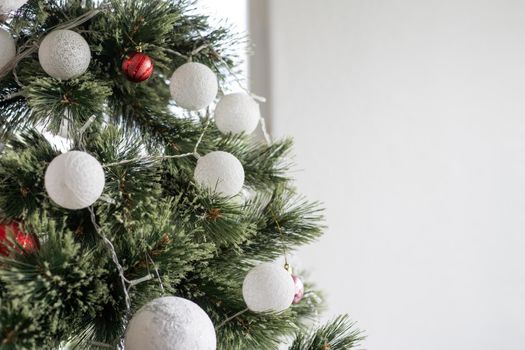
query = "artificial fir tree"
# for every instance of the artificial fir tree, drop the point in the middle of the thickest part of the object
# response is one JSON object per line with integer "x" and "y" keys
{"x": 147, "y": 202}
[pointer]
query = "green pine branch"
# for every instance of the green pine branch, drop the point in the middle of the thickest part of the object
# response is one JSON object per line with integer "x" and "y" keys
{"x": 339, "y": 334}
{"x": 163, "y": 227}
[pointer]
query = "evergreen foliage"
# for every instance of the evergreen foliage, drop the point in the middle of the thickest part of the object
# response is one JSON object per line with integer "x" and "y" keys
{"x": 339, "y": 334}
{"x": 202, "y": 244}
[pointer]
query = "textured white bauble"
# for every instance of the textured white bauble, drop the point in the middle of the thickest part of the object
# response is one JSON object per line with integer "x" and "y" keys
{"x": 170, "y": 323}
{"x": 7, "y": 48}
{"x": 268, "y": 288}
{"x": 220, "y": 172}
{"x": 237, "y": 113}
{"x": 74, "y": 180}
{"x": 193, "y": 86}
{"x": 64, "y": 54}
{"x": 7, "y": 6}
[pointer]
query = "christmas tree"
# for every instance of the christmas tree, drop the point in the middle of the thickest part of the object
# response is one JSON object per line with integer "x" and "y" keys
{"x": 136, "y": 211}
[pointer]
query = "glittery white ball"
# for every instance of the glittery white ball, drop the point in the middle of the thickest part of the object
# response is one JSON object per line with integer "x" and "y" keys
{"x": 64, "y": 54}
{"x": 7, "y": 48}
{"x": 268, "y": 288}
{"x": 7, "y": 6}
{"x": 237, "y": 113}
{"x": 193, "y": 86}
{"x": 220, "y": 172}
{"x": 74, "y": 180}
{"x": 170, "y": 323}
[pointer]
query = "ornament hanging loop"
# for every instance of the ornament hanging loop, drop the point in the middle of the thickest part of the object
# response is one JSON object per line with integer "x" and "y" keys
{"x": 281, "y": 234}
{"x": 265, "y": 132}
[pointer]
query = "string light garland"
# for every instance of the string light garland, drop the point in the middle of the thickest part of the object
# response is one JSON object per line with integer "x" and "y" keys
{"x": 129, "y": 263}
{"x": 31, "y": 47}
{"x": 195, "y": 154}
{"x": 114, "y": 257}
{"x": 256, "y": 97}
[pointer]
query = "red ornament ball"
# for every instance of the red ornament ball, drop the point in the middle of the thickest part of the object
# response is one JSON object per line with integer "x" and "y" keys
{"x": 137, "y": 66}
{"x": 12, "y": 232}
{"x": 299, "y": 289}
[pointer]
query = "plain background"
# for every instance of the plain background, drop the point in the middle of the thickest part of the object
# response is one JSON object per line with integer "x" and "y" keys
{"x": 409, "y": 122}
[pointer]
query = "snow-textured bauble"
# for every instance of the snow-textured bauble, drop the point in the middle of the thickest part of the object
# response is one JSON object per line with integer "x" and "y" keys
{"x": 64, "y": 54}
{"x": 74, "y": 180}
{"x": 7, "y": 48}
{"x": 170, "y": 323}
{"x": 237, "y": 113}
{"x": 7, "y": 6}
{"x": 12, "y": 232}
{"x": 268, "y": 288}
{"x": 299, "y": 289}
{"x": 193, "y": 86}
{"x": 137, "y": 67}
{"x": 220, "y": 172}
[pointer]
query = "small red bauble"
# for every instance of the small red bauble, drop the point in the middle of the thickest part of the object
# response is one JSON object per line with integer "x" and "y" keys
{"x": 12, "y": 231}
{"x": 299, "y": 289}
{"x": 137, "y": 66}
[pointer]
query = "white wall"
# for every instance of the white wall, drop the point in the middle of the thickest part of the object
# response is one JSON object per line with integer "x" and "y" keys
{"x": 409, "y": 121}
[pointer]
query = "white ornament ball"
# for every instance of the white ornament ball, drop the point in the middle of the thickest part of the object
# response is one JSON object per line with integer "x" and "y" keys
{"x": 64, "y": 54}
{"x": 237, "y": 113}
{"x": 170, "y": 323}
{"x": 268, "y": 288}
{"x": 193, "y": 86}
{"x": 7, "y": 48}
{"x": 7, "y": 6}
{"x": 74, "y": 180}
{"x": 220, "y": 172}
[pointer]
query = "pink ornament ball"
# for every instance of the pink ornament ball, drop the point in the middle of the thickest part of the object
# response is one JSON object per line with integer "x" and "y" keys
{"x": 299, "y": 289}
